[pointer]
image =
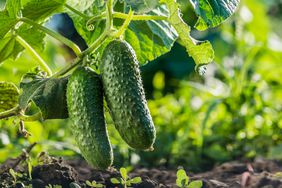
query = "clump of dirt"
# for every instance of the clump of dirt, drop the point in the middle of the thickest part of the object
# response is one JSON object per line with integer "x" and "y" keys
{"x": 56, "y": 171}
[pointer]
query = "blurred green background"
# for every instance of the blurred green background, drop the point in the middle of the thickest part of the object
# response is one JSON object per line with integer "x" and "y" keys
{"x": 233, "y": 112}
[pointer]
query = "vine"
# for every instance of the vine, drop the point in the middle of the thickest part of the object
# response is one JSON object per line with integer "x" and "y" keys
{"x": 167, "y": 28}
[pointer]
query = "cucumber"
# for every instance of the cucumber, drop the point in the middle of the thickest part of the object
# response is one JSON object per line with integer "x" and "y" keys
{"x": 86, "y": 111}
{"x": 125, "y": 95}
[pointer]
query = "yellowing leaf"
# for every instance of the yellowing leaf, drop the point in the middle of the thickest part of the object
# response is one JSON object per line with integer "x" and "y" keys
{"x": 201, "y": 51}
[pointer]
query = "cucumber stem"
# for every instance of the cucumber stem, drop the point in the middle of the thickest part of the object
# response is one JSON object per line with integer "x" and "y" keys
{"x": 9, "y": 113}
{"x": 124, "y": 25}
{"x": 33, "y": 117}
{"x": 124, "y": 16}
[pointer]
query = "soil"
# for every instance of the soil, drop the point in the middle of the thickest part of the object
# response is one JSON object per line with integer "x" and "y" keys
{"x": 71, "y": 173}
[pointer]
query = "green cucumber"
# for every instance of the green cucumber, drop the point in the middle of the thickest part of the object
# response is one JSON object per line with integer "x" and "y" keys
{"x": 125, "y": 95}
{"x": 86, "y": 111}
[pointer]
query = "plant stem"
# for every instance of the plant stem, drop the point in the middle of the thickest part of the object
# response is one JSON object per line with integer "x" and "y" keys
{"x": 76, "y": 11}
{"x": 124, "y": 16}
{"x": 138, "y": 17}
{"x": 33, "y": 117}
{"x": 34, "y": 54}
{"x": 124, "y": 25}
{"x": 55, "y": 35}
{"x": 68, "y": 68}
{"x": 94, "y": 46}
{"x": 9, "y": 113}
{"x": 105, "y": 34}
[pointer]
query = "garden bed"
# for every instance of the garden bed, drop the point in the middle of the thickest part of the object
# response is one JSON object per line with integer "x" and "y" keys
{"x": 56, "y": 171}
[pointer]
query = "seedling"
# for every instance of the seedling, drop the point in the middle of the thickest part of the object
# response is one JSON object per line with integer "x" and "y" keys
{"x": 125, "y": 181}
{"x": 15, "y": 175}
{"x": 182, "y": 180}
{"x": 74, "y": 185}
{"x": 53, "y": 186}
{"x": 94, "y": 184}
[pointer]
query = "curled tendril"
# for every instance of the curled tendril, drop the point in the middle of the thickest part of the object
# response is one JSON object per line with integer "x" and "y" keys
{"x": 90, "y": 27}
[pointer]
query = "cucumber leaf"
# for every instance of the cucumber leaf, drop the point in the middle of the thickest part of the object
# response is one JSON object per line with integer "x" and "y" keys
{"x": 40, "y": 10}
{"x": 142, "y": 6}
{"x": 6, "y": 23}
{"x": 13, "y": 7}
{"x": 151, "y": 39}
{"x": 49, "y": 95}
{"x": 201, "y": 51}
{"x": 213, "y": 12}
{"x": 84, "y": 5}
{"x": 9, "y": 95}
{"x": 9, "y": 47}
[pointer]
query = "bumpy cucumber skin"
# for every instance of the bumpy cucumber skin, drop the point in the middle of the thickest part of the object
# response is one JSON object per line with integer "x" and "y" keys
{"x": 125, "y": 95}
{"x": 85, "y": 105}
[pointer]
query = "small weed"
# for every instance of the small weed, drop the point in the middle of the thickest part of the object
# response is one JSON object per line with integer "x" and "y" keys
{"x": 94, "y": 184}
{"x": 53, "y": 186}
{"x": 125, "y": 181}
{"x": 74, "y": 185}
{"x": 182, "y": 180}
{"x": 15, "y": 175}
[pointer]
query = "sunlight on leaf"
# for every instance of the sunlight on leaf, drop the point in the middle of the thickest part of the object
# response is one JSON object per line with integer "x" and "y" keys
{"x": 201, "y": 51}
{"x": 213, "y": 13}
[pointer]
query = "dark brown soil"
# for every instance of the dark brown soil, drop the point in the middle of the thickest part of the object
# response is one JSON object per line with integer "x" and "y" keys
{"x": 260, "y": 173}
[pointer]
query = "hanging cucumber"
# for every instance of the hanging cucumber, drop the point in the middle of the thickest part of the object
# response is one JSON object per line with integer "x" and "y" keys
{"x": 85, "y": 105}
{"x": 125, "y": 95}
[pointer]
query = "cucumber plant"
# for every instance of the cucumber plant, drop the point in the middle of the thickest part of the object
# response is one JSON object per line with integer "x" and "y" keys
{"x": 127, "y": 37}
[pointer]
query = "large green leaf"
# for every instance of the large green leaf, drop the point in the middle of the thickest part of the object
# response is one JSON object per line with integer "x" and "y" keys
{"x": 34, "y": 37}
{"x": 213, "y": 12}
{"x": 6, "y": 23}
{"x": 142, "y": 6}
{"x": 13, "y": 7}
{"x": 9, "y": 94}
{"x": 9, "y": 47}
{"x": 151, "y": 39}
{"x": 39, "y": 10}
{"x": 84, "y": 5}
{"x": 49, "y": 95}
{"x": 30, "y": 89}
{"x": 201, "y": 52}
{"x": 51, "y": 99}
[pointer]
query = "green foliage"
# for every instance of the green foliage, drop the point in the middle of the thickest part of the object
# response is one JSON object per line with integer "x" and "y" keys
{"x": 142, "y": 6}
{"x": 53, "y": 186}
{"x": 201, "y": 52}
{"x": 183, "y": 180}
{"x": 94, "y": 184}
{"x": 49, "y": 95}
{"x": 41, "y": 10}
{"x": 125, "y": 180}
{"x": 151, "y": 39}
{"x": 213, "y": 13}
{"x": 15, "y": 175}
{"x": 232, "y": 113}
{"x": 6, "y": 22}
{"x": 9, "y": 95}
